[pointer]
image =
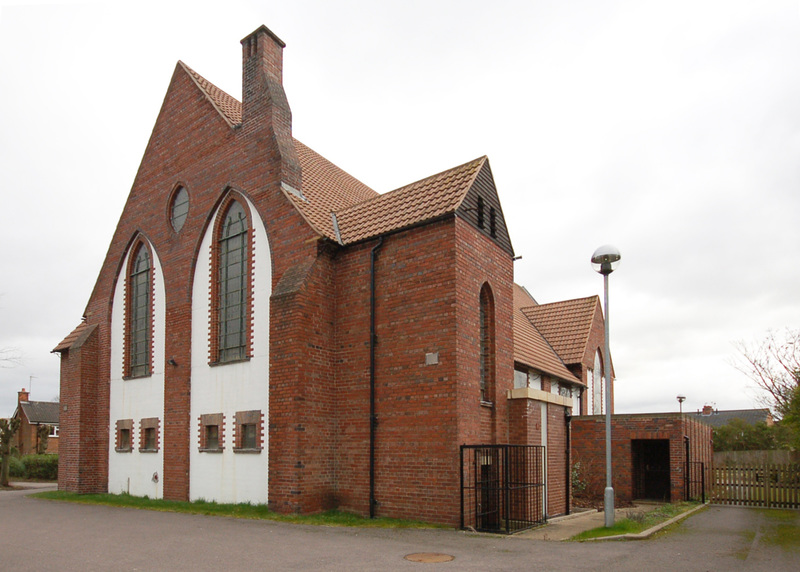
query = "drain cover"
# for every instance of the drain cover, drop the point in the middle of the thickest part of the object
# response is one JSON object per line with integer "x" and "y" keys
{"x": 429, "y": 557}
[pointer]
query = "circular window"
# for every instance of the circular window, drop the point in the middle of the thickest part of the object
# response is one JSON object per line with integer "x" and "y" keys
{"x": 180, "y": 208}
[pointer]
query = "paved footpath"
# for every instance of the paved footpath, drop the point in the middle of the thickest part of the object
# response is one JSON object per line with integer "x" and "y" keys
{"x": 47, "y": 535}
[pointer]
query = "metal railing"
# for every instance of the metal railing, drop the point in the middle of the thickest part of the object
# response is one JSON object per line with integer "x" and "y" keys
{"x": 502, "y": 487}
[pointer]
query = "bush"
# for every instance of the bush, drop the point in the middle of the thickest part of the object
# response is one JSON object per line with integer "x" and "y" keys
{"x": 44, "y": 467}
{"x": 16, "y": 468}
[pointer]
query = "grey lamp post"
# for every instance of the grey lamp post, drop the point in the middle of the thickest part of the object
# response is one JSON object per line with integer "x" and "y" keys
{"x": 681, "y": 399}
{"x": 605, "y": 260}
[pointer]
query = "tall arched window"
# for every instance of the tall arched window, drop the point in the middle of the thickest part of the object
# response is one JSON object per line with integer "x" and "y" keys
{"x": 233, "y": 284}
{"x": 139, "y": 313}
{"x": 487, "y": 344}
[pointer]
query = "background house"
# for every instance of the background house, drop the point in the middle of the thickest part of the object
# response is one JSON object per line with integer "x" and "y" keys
{"x": 33, "y": 416}
{"x": 717, "y": 418}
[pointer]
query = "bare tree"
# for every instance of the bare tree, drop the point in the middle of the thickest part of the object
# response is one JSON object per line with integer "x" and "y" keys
{"x": 10, "y": 357}
{"x": 773, "y": 364}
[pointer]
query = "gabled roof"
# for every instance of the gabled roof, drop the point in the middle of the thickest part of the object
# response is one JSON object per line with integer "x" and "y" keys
{"x": 530, "y": 347}
{"x": 566, "y": 325}
{"x": 75, "y": 338}
{"x": 340, "y": 207}
{"x": 45, "y": 412}
{"x": 407, "y": 206}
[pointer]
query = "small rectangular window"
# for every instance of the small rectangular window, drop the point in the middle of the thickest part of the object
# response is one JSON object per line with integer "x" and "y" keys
{"x": 149, "y": 435}
{"x": 124, "y": 439}
{"x": 480, "y": 212}
{"x": 124, "y": 436}
{"x": 212, "y": 436}
{"x": 249, "y": 436}
{"x": 492, "y": 223}
{"x": 249, "y": 431}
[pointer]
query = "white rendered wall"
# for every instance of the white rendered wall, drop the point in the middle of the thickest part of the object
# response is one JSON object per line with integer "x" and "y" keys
{"x": 137, "y": 398}
{"x": 240, "y": 386}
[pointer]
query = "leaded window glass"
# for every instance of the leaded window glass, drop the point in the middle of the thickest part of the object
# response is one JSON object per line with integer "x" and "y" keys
{"x": 180, "y": 209}
{"x": 233, "y": 285}
{"x": 139, "y": 330}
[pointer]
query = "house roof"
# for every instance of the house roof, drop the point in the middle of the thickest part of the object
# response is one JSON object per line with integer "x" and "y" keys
{"x": 530, "y": 347}
{"x": 719, "y": 418}
{"x": 422, "y": 201}
{"x": 75, "y": 338}
{"x": 340, "y": 207}
{"x": 566, "y": 325}
{"x": 45, "y": 412}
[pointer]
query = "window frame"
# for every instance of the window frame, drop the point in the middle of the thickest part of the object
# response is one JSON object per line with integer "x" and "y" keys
{"x": 123, "y": 426}
{"x": 244, "y": 419}
{"x": 211, "y": 420}
{"x": 486, "y": 346}
{"x": 139, "y": 309}
{"x": 222, "y": 351}
{"x": 178, "y": 221}
{"x": 147, "y": 425}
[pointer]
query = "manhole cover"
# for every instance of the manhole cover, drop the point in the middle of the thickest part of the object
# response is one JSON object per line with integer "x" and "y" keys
{"x": 429, "y": 557}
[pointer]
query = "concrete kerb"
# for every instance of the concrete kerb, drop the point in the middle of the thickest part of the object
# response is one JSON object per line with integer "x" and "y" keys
{"x": 650, "y": 531}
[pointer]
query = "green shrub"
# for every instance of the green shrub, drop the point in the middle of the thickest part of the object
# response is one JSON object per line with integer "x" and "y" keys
{"x": 43, "y": 467}
{"x": 16, "y": 468}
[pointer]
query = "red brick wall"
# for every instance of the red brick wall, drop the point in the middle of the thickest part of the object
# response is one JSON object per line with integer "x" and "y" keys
{"x": 588, "y": 448}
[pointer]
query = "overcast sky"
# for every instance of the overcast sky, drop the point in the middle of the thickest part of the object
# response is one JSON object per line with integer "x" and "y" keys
{"x": 669, "y": 129}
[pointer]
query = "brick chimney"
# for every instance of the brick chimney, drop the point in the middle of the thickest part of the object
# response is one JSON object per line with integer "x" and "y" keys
{"x": 22, "y": 396}
{"x": 266, "y": 115}
{"x": 708, "y": 410}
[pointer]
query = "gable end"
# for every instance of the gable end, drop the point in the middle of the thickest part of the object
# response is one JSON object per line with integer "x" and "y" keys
{"x": 481, "y": 209}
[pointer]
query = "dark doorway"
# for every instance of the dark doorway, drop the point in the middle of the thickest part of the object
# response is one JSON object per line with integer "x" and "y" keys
{"x": 650, "y": 469}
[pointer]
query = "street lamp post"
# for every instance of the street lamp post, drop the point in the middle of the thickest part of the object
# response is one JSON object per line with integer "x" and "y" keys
{"x": 681, "y": 399}
{"x": 605, "y": 260}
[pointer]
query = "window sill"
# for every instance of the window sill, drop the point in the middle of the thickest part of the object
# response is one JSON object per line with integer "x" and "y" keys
{"x": 248, "y": 451}
{"x": 228, "y": 362}
{"x": 215, "y": 450}
{"x": 148, "y": 450}
{"x": 132, "y": 377}
{"x": 488, "y": 404}
{"x": 124, "y": 450}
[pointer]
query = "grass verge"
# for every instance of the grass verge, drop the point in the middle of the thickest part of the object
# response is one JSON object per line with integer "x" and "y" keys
{"x": 637, "y": 522}
{"x": 242, "y": 510}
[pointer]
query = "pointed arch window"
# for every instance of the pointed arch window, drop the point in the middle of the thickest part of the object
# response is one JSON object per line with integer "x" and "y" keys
{"x": 139, "y": 313}
{"x": 233, "y": 282}
{"x": 487, "y": 345}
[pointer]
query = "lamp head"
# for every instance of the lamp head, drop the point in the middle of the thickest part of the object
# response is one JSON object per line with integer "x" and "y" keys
{"x": 605, "y": 259}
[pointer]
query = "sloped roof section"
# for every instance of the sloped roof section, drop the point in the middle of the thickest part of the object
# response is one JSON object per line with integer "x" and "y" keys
{"x": 530, "y": 347}
{"x": 228, "y": 106}
{"x": 719, "y": 418}
{"x": 41, "y": 411}
{"x": 76, "y": 337}
{"x": 326, "y": 189}
{"x": 566, "y": 325}
{"x": 419, "y": 202}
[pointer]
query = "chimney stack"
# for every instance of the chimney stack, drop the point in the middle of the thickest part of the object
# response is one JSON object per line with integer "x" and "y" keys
{"x": 266, "y": 116}
{"x": 22, "y": 396}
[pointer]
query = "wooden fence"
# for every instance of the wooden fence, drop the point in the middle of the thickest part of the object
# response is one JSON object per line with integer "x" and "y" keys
{"x": 757, "y": 484}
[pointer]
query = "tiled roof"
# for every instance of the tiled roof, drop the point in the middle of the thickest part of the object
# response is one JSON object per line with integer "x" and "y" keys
{"x": 326, "y": 189}
{"x": 361, "y": 213}
{"x": 720, "y": 418}
{"x": 41, "y": 411}
{"x": 407, "y": 206}
{"x": 228, "y": 106}
{"x": 566, "y": 325}
{"x": 530, "y": 347}
{"x": 76, "y": 337}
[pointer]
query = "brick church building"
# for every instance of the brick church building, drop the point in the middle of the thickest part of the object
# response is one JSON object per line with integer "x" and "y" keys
{"x": 265, "y": 328}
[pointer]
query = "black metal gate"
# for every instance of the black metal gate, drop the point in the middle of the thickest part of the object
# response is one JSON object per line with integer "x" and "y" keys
{"x": 696, "y": 481}
{"x": 502, "y": 487}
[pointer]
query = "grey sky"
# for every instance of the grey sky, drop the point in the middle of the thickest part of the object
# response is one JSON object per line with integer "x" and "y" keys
{"x": 669, "y": 129}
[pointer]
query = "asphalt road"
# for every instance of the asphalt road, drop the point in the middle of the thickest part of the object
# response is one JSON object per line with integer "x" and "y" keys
{"x": 46, "y": 535}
